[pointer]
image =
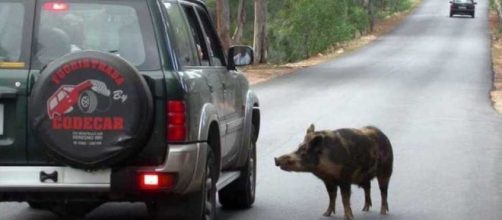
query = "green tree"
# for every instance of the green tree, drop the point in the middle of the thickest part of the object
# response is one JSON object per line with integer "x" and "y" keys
{"x": 297, "y": 29}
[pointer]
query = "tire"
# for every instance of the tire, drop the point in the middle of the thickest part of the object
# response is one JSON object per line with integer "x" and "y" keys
{"x": 451, "y": 14}
{"x": 88, "y": 102}
{"x": 473, "y": 15}
{"x": 76, "y": 110}
{"x": 242, "y": 192}
{"x": 196, "y": 206}
{"x": 209, "y": 188}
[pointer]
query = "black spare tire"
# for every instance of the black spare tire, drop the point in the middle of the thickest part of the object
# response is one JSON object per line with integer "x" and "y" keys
{"x": 91, "y": 110}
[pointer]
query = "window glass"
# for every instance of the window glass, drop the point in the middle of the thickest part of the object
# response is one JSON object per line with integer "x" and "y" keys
{"x": 183, "y": 41}
{"x": 11, "y": 31}
{"x": 118, "y": 28}
{"x": 197, "y": 35}
{"x": 215, "y": 51}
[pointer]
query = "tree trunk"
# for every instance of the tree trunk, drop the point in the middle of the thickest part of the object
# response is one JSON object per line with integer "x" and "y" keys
{"x": 223, "y": 23}
{"x": 241, "y": 21}
{"x": 499, "y": 10}
{"x": 371, "y": 13}
{"x": 260, "y": 31}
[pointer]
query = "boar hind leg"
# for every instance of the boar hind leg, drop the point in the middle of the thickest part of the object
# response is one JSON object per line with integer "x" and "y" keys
{"x": 367, "y": 196}
{"x": 332, "y": 191}
{"x": 345, "y": 189}
{"x": 383, "y": 182}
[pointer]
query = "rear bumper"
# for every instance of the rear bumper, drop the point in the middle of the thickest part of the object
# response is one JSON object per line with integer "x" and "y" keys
{"x": 68, "y": 179}
{"x": 186, "y": 162}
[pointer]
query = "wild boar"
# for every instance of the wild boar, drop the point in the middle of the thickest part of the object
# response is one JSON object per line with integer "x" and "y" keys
{"x": 343, "y": 157}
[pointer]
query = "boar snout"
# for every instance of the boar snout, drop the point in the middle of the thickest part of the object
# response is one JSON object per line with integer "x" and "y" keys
{"x": 289, "y": 162}
{"x": 282, "y": 160}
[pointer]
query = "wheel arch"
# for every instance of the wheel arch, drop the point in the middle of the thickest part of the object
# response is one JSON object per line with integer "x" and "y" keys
{"x": 209, "y": 130}
{"x": 251, "y": 118}
{"x": 255, "y": 120}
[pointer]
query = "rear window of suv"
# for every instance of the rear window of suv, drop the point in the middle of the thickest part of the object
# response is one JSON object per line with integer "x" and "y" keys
{"x": 11, "y": 30}
{"x": 123, "y": 28}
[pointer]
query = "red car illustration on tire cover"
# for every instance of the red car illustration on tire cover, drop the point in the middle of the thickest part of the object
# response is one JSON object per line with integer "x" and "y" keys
{"x": 67, "y": 96}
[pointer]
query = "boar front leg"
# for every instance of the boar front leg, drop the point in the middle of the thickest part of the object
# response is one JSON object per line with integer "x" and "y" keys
{"x": 345, "y": 189}
{"x": 332, "y": 191}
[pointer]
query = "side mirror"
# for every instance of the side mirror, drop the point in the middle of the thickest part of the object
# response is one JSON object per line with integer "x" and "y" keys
{"x": 240, "y": 56}
{"x": 451, "y": 2}
{"x": 475, "y": 3}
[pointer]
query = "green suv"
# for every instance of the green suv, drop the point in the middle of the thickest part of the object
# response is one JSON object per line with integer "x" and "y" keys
{"x": 123, "y": 100}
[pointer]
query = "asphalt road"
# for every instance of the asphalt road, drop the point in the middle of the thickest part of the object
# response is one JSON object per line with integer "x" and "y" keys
{"x": 426, "y": 85}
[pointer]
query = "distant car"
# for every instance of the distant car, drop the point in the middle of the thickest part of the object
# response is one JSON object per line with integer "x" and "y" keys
{"x": 462, "y": 7}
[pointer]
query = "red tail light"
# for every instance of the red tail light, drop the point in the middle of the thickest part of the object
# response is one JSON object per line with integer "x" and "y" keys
{"x": 156, "y": 181}
{"x": 150, "y": 180}
{"x": 176, "y": 121}
{"x": 55, "y": 6}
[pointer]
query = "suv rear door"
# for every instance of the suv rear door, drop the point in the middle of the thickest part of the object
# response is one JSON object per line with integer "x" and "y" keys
{"x": 124, "y": 28}
{"x": 16, "y": 20}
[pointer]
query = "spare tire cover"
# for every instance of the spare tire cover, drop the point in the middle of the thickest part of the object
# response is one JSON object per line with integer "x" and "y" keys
{"x": 91, "y": 109}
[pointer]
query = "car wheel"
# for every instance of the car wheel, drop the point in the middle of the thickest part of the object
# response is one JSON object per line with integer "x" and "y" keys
{"x": 88, "y": 102}
{"x": 241, "y": 193}
{"x": 199, "y": 205}
{"x": 209, "y": 188}
{"x": 451, "y": 14}
{"x": 473, "y": 15}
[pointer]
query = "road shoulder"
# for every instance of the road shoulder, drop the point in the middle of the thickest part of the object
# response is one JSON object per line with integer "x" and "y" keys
{"x": 496, "y": 35}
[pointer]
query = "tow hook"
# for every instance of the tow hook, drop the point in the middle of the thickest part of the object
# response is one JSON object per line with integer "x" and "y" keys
{"x": 48, "y": 176}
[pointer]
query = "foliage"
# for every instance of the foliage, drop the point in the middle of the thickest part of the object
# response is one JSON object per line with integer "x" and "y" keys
{"x": 496, "y": 6}
{"x": 306, "y": 28}
{"x": 298, "y": 29}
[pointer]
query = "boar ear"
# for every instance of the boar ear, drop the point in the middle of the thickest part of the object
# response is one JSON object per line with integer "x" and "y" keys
{"x": 311, "y": 129}
{"x": 316, "y": 144}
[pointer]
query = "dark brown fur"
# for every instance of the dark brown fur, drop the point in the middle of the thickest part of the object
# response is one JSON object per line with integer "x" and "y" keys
{"x": 343, "y": 157}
